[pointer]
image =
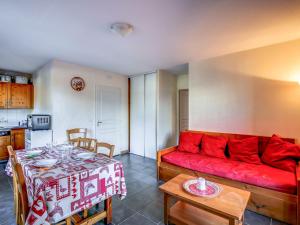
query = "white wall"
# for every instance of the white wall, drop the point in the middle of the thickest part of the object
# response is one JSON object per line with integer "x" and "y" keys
{"x": 232, "y": 93}
{"x": 71, "y": 109}
{"x": 167, "y": 110}
{"x": 182, "y": 81}
{"x": 42, "y": 89}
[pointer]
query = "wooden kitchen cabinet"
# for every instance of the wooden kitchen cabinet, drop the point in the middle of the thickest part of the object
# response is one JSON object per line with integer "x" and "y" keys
{"x": 20, "y": 96}
{"x": 3, "y": 95}
{"x": 4, "y": 142}
{"x": 17, "y": 139}
{"x": 16, "y": 96}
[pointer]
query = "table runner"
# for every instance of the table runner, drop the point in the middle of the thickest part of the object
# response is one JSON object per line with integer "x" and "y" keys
{"x": 69, "y": 186}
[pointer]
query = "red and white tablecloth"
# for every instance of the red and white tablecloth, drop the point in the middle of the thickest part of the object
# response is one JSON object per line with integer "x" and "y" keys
{"x": 70, "y": 186}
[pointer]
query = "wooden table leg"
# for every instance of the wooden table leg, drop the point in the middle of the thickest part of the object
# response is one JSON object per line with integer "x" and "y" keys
{"x": 166, "y": 208}
{"x": 68, "y": 221}
{"x": 232, "y": 222}
{"x": 85, "y": 213}
{"x": 108, "y": 209}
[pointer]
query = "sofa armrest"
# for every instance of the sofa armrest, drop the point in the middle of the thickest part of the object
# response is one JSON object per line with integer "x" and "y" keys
{"x": 160, "y": 153}
{"x": 165, "y": 151}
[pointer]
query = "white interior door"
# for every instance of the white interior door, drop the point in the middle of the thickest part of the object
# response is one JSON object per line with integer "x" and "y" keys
{"x": 137, "y": 115}
{"x": 150, "y": 116}
{"x": 108, "y": 115}
{"x": 183, "y": 110}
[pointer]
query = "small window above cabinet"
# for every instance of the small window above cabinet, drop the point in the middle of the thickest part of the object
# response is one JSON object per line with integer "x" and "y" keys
{"x": 16, "y": 96}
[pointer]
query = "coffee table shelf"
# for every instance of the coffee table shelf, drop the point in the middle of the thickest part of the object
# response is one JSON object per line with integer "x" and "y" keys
{"x": 182, "y": 214}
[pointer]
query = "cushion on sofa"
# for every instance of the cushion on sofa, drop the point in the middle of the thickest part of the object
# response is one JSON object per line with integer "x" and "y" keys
{"x": 260, "y": 175}
{"x": 281, "y": 154}
{"x": 214, "y": 146}
{"x": 245, "y": 149}
{"x": 189, "y": 141}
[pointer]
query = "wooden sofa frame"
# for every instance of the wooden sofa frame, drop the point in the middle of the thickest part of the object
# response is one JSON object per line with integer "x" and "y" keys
{"x": 275, "y": 204}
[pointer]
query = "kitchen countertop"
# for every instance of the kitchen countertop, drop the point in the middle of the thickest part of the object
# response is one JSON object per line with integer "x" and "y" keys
{"x": 8, "y": 128}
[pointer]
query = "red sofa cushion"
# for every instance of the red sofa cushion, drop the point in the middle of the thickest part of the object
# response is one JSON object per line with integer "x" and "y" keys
{"x": 189, "y": 141}
{"x": 214, "y": 146}
{"x": 245, "y": 150}
{"x": 259, "y": 175}
{"x": 281, "y": 154}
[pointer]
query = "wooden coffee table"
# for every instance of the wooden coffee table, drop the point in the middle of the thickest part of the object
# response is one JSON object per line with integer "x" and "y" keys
{"x": 227, "y": 208}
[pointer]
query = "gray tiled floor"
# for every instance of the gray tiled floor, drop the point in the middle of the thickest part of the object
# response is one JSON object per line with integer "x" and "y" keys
{"x": 142, "y": 206}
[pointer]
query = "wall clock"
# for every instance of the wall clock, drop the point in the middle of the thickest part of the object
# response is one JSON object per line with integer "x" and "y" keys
{"x": 77, "y": 83}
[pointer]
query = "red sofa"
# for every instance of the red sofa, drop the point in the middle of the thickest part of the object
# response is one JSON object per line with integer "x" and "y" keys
{"x": 274, "y": 192}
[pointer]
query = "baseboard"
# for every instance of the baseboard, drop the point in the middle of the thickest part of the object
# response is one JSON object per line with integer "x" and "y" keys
{"x": 124, "y": 152}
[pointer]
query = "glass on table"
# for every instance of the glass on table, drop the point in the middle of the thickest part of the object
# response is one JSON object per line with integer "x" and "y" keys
{"x": 49, "y": 146}
{"x": 201, "y": 183}
{"x": 65, "y": 151}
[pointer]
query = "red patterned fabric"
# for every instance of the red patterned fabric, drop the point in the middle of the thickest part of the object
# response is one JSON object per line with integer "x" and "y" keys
{"x": 69, "y": 186}
{"x": 189, "y": 142}
{"x": 214, "y": 146}
{"x": 281, "y": 154}
{"x": 244, "y": 150}
{"x": 259, "y": 175}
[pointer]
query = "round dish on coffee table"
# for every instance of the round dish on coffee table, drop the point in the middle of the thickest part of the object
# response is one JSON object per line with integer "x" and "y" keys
{"x": 212, "y": 189}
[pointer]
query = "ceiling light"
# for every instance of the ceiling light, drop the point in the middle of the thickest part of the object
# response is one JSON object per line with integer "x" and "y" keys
{"x": 122, "y": 29}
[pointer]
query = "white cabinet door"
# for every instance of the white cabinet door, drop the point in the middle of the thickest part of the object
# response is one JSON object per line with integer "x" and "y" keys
{"x": 108, "y": 115}
{"x": 137, "y": 115}
{"x": 150, "y": 115}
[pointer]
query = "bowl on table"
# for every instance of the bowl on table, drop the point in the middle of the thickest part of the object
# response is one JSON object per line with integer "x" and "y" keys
{"x": 85, "y": 155}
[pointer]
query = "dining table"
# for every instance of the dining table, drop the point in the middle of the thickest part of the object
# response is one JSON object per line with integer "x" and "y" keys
{"x": 71, "y": 185}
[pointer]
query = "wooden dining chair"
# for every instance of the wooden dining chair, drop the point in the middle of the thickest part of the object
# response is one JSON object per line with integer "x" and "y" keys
{"x": 87, "y": 143}
{"x": 21, "y": 191}
{"x": 12, "y": 155}
{"x": 107, "y": 146}
{"x": 73, "y": 135}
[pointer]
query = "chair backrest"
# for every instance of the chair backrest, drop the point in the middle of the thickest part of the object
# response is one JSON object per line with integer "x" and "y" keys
{"x": 87, "y": 143}
{"x": 22, "y": 192}
{"x": 13, "y": 159}
{"x": 73, "y": 134}
{"x": 108, "y": 146}
{"x": 11, "y": 152}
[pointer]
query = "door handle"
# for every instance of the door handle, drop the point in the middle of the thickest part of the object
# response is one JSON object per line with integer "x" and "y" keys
{"x": 99, "y": 122}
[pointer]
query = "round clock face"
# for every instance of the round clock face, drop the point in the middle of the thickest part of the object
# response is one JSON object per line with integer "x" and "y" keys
{"x": 77, "y": 83}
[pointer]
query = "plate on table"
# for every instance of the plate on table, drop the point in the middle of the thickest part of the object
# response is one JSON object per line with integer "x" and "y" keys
{"x": 85, "y": 155}
{"x": 211, "y": 191}
{"x": 33, "y": 153}
{"x": 44, "y": 163}
{"x": 66, "y": 147}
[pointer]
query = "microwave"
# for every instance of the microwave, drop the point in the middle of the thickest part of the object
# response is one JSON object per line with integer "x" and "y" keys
{"x": 39, "y": 122}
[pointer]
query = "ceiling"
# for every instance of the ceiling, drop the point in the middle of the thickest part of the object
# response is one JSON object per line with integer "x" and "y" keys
{"x": 167, "y": 32}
